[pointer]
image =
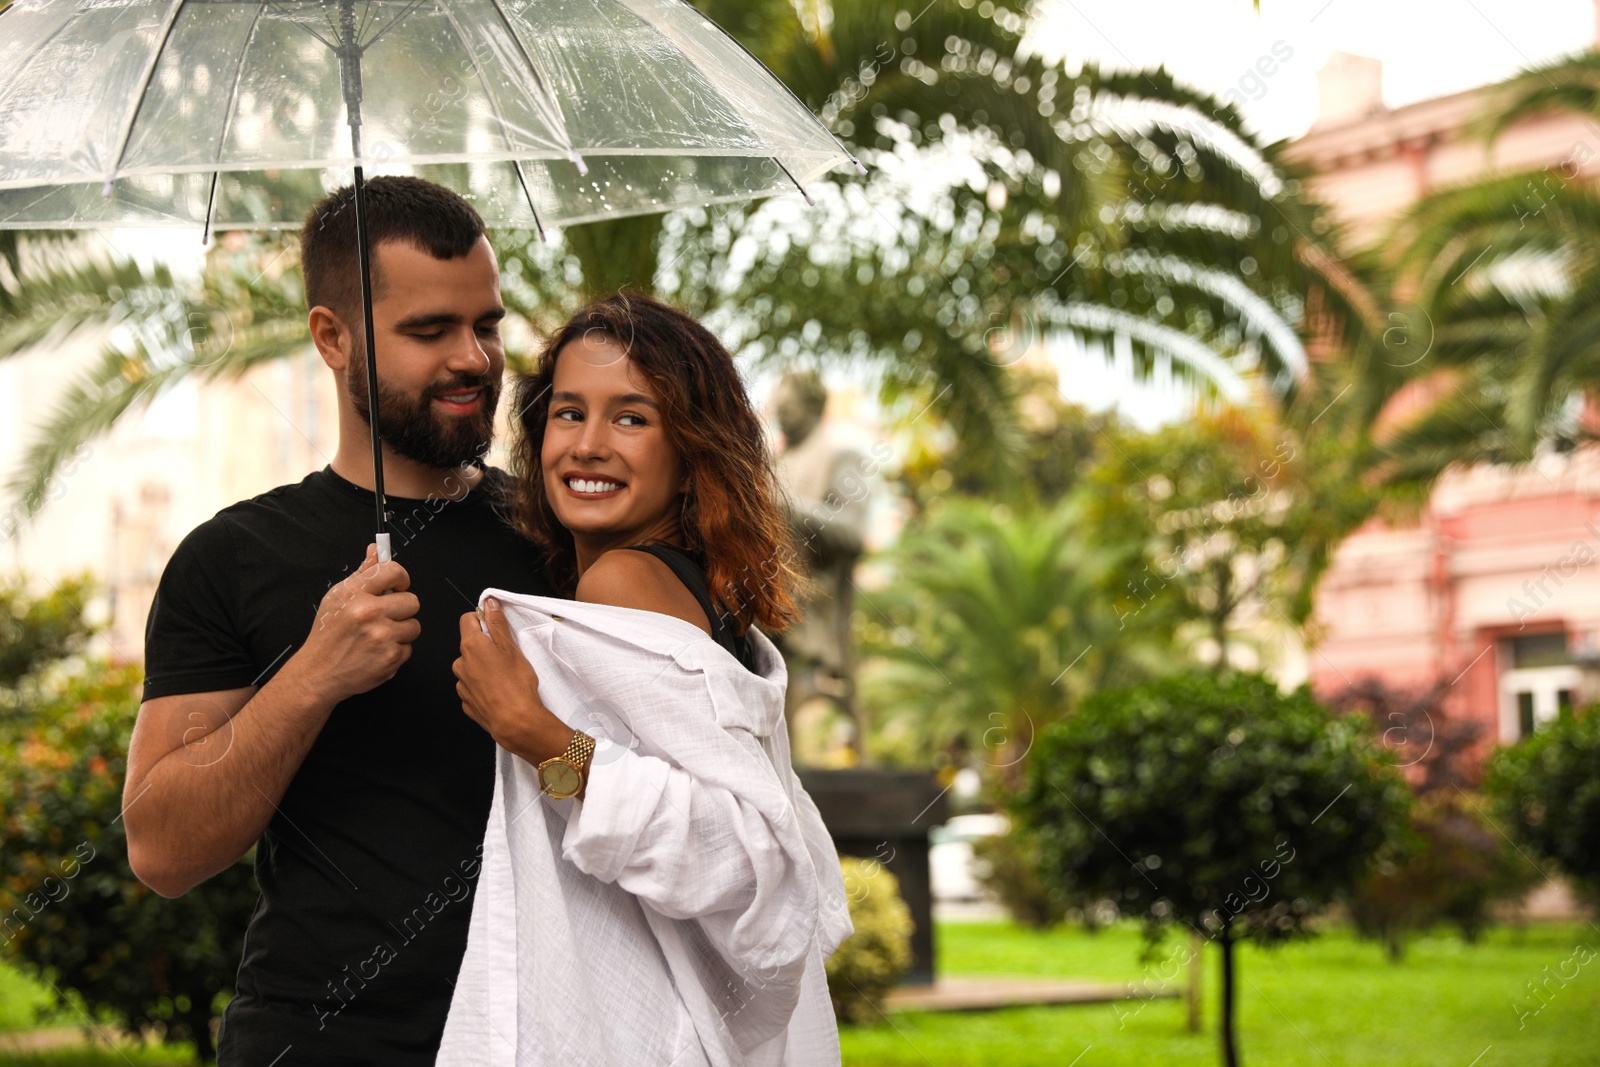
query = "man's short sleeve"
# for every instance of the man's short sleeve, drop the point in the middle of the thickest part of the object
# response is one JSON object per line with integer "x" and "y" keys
{"x": 192, "y": 640}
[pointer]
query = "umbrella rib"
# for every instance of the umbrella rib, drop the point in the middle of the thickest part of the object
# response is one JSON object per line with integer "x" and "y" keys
{"x": 494, "y": 102}
{"x": 317, "y": 37}
{"x": 550, "y": 99}
{"x": 809, "y": 202}
{"x": 408, "y": 9}
{"x": 306, "y": 29}
{"x": 740, "y": 45}
{"x": 311, "y": 33}
{"x": 327, "y": 16}
{"x": 227, "y": 116}
{"x": 144, "y": 89}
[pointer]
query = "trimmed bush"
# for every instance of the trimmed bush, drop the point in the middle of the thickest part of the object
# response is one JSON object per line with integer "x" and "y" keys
{"x": 1548, "y": 788}
{"x": 871, "y": 960}
{"x": 71, "y": 910}
{"x": 1008, "y": 867}
{"x": 1219, "y": 805}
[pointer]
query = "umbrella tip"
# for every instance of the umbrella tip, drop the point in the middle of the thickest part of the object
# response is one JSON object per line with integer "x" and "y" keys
{"x": 583, "y": 168}
{"x": 105, "y": 190}
{"x": 859, "y": 168}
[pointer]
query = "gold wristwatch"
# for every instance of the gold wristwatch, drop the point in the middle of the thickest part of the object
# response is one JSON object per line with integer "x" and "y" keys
{"x": 563, "y": 776}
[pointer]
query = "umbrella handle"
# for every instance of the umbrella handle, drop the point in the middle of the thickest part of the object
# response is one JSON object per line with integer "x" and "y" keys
{"x": 385, "y": 553}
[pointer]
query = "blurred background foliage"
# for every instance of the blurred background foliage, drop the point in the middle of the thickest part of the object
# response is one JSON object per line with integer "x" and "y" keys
{"x": 72, "y": 914}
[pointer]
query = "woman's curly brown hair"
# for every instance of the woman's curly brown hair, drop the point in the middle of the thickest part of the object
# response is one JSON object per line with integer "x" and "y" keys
{"x": 734, "y": 513}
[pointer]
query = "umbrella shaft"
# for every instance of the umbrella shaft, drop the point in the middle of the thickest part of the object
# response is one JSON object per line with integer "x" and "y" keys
{"x": 349, "y": 52}
{"x": 371, "y": 344}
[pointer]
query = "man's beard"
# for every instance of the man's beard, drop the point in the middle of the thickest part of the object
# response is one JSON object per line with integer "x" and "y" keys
{"x": 409, "y": 426}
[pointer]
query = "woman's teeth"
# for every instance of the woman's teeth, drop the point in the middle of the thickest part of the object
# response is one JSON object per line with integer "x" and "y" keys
{"x": 584, "y": 485}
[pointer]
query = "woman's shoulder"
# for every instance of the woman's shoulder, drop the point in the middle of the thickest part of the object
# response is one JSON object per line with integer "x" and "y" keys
{"x": 629, "y": 579}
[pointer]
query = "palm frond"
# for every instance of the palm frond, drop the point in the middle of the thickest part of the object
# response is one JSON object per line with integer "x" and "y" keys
{"x": 124, "y": 378}
{"x": 239, "y": 318}
{"x": 1464, "y": 429}
{"x": 1570, "y": 84}
{"x": 65, "y": 287}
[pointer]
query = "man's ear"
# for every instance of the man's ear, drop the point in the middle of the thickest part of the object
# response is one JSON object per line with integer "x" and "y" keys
{"x": 332, "y": 337}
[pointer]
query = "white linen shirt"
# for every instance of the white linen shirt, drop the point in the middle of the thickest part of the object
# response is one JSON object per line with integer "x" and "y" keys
{"x": 682, "y": 911}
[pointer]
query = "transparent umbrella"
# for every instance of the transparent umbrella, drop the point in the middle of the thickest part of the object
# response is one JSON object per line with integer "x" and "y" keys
{"x": 232, "y": 114}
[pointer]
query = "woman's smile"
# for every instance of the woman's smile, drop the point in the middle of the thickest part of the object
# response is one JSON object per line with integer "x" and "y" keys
{"x": 592, "y": 486}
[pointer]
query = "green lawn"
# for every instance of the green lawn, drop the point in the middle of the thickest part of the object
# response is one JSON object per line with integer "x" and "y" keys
{"x": 99, "y": 1057}
{"x": 1329, "y": 1002}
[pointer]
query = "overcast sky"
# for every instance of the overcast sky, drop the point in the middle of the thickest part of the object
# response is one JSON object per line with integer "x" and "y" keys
{"x": 1428, "y": 47}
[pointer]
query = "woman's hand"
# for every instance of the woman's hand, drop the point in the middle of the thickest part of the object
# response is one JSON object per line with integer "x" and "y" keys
{"x": 500, "y": 691}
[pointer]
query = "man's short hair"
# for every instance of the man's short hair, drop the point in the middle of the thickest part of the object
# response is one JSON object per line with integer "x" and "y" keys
{"x": 428, "y": 216}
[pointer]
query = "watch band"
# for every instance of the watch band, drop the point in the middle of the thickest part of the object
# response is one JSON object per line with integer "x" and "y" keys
{"x": 580, "y": 750}
{"x": 577, "y": 755}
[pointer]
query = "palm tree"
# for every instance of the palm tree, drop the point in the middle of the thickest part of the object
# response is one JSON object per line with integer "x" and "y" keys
{"x": 1103, "y": 205}
{"x": 992, "y": 624}
{"x": 1114, "y": 206}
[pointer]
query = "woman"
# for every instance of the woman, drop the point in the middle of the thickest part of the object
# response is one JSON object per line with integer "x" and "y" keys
{"x": 656, "y": 887}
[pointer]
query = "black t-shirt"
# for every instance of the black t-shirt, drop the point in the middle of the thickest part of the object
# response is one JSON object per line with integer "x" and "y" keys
{"x": 367, "y": 869}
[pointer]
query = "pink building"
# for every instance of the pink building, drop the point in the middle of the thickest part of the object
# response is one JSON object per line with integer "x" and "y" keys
{"x": 1496, "y": 588}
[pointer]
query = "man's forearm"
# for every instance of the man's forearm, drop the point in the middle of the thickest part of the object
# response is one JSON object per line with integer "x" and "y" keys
{"x": 203, "y": 804}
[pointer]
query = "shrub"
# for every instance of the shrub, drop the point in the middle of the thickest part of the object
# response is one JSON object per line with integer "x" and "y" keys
{"x": 1450, "y": 866}
{"x": 36, "y": 632}
{"x": 871, "y": 960}
{"x": 1548, "y": 788}
{"x": 1219, "y": 804}
{"x": 1008, "y": 866}
{"x": 71, "y": 910}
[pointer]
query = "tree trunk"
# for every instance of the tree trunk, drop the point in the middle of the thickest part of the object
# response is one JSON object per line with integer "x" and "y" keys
{"x": 1230, "y": 1052}
{"x": 1019, "y": 740}
{"x": 1191, "y": 988}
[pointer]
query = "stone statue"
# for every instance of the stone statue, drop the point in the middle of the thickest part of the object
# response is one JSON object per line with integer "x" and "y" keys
{"x": 827, "y": 489}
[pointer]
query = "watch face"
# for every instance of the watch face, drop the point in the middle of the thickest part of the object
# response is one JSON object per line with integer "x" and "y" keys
{"x": 559, "y": 778}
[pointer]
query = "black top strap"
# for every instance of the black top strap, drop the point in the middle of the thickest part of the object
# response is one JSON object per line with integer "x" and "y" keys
{"x": 690, "y": 568}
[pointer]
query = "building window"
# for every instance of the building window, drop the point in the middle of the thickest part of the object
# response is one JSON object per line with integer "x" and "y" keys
{"x": 1539, "y": 650}
{"x": 1524, "y": 714}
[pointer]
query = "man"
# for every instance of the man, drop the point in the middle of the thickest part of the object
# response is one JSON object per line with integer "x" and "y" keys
{"x": 301, "y": 700}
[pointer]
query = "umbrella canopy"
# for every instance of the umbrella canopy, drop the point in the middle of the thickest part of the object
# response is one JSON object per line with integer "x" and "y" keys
{"x": 241, "y": 114}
